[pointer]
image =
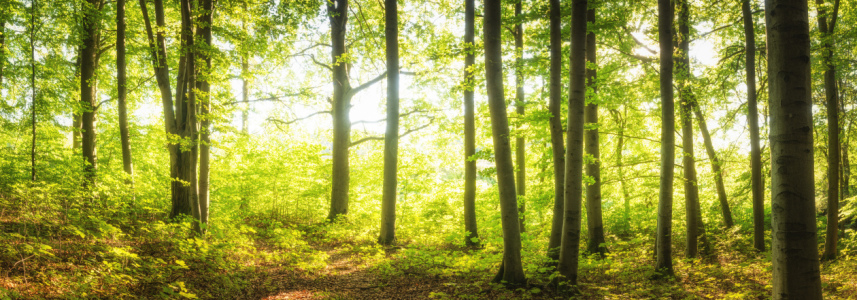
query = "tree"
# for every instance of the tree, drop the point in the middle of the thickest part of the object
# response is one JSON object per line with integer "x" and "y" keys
{"x": 794, "y": 253}
{"x": 203, "y": 85}
{"x": 570, "y": 246}
{"x": 753, "y": 120}
{"x": 520, "y": 104}
{"x": 121, "y": 88}
{"x": 833, "y": 153}
{"x": 716, "y": 163}
{"x": 391, "y": 140}
{"x": 511, "y": 270}
{"x": 663, "y": 239}
{"x": 593, "y": 168}
{"x": 695, "y": 226}
{"x": 557, "y": 147}
{"x": 32, "y": 30}
{"x": 88, "y": 83}
{"x": 471, "y": 239}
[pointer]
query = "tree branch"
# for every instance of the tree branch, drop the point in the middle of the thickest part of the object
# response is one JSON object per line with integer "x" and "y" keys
{"x": 356, "y": 90}
{"x": 272, "y": 98}
{"x": 638, "y": 41}
{"x": 378, "y": 138}
{"x": 320, "y": 63}
{"x": 281, "y": 122}
{"x": 385, "y": 119}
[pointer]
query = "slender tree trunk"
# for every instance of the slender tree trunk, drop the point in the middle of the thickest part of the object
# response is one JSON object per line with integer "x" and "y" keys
{"x": 245, "y": 94}
{"x": 2, "y": 46}
{"x": 391, "y": 139}
{"x": 203, "y": 31}
{"x": 338, "y": 13}
{"x": 520, "y": 146}
{"x": 511, "y": 270}
{"x": 570, "y": 248}
{"x": 557, "y": 147}
{"x": 88, "y": 101}
{"x": 593, "y": 169}
{"x": 33, "y": 7}
{"x": 695, "y": 226}
{"x": 833, "y": 152}
{"x": 122, "y": 91}
{"x": 620, "y": 147}
{"x": 758, "y": 188}
{"x": 471, "y": 239}
{"x": 794, "y": 252}
{"x": 716, "y": 164}
{"x": 188, "y": 126}
{"x": 663, "y": 240}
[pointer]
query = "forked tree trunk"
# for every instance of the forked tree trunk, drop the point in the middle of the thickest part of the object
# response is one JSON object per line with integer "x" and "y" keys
{"x": 520, "y": 146}
{"x": 471, "y": 239}
{"x": 570, "y": 248}
{"x": 663, "y": 239}
{"x": 833, "y": 152}
{"x": 757, "y": 186}
{"x": 511, "y": 270}
{"x": 594, "y": 222}
{"x": 391, "y": 139}
{"x": 557, "y": 147}
{"x": 794, "y": 252}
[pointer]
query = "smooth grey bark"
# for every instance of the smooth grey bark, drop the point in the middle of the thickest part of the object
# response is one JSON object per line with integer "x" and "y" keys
{"x": 570, "y": 245}
{"x": 557, "y": 145}
{"x": 33, "y": 7}
{"x": 337, "y": 11}
{"x": 391, "y": 138}
{"x": 663, "y": 239}
{"x": 88, "y": 82}
{"x": 520, "y": 146}
{"x": 471, "y": 239}
{"x": 794, "y": 252}
{"x": 187, "y": 116}
{"x": 694, "y": 225}
{"x": 203, "y": 32}
{"x": 757, "y": 186}
{"x": 511, "y": 270}
{"x": 716, "y": 165}
{"x": 122, "y": 91}
{"x": 594, "y": 222}
{"x": 831, "y": 94}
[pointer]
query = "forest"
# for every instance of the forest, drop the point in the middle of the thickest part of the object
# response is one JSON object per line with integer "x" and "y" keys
{"x": 431, "y": 149}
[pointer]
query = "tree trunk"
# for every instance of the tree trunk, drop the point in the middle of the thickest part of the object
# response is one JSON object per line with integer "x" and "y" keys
{"x": 520, "y": 148}
{"x": 716, "y": 164}
{"x": 2, "y": 46}
{"x": 511, "y": 270}
{"x": 391, "y": 139}
{"x": 245, "y": 94}
{"x": 338, "y": 13}
{"x": 593, "y": 169}
{"x": 663, "y": 240}
{"x": 187, "y": 118}
{"x": 794, "y": 253}
{"x": 88, "y": 100}
{"x": 203, "y": 31}
{"x": 122, "y": 91}
{"x": 695, "y": 226}
{"x": 570, "y": 248}
{"x": 557, "y": 147}
{"x": 471, "y": 239}
{"x": 620, "y": 146}
{"x": 833, "y": 153}
{"x": 758, "y": 188}
{"x": 33, "y": 7}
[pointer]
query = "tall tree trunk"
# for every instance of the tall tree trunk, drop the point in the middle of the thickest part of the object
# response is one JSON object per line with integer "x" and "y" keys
{"x": 557, "y": 147}
{"x": 338, "y": 13}
{"x": 716, "y": 165}
{"x": 694, "y": 224}
{"x": 33, "y": 7}
{"x": 570, "y": 248}
{"x": 469, "y": 129}
{"x": 520, "y": 148}
{"x": 663, "y": 240}
{"x": 758, "y": 187}
{"x": 187, "y": 125}
{"x": 471, "y": 239}
{"x": 511, "y": 270}
{"x": 245, "y": 94}
{"x": 620, "y": 146}
{"x": 203, "y": 32}
{"x": 794, "y": 252}
{"x": 833, "y": 153}
{"x": 593, "y": 169}
{"x": 391, "y": 139}
{"x": 2, "y": 46}
{"x": 88, "y": 101}
{"x": 122, "y": 91}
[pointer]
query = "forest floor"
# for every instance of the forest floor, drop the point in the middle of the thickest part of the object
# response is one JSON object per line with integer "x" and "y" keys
{"x": 71, "y": 255}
